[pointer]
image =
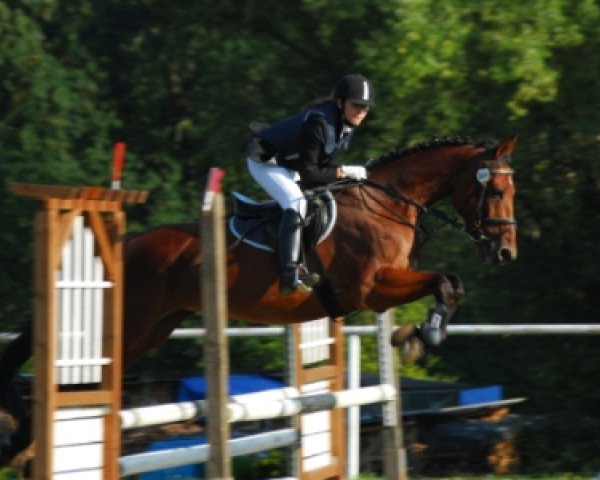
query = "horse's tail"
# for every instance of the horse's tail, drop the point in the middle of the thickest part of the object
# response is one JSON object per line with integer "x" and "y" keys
{"x": 14, "y": 355}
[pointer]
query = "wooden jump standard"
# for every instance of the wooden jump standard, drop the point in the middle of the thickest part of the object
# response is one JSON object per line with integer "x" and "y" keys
{"x": 78, "y": 322}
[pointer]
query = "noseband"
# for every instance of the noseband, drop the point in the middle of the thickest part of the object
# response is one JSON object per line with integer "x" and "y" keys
{"x": 483, "y": 176}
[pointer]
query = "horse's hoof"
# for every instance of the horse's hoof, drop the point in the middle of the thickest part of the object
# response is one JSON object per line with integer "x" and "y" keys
{"x": 402, "y": 334}
{"x": 22, "y": 462}
{"x": 4, "y": 458}
{"x": 413, "y": 350}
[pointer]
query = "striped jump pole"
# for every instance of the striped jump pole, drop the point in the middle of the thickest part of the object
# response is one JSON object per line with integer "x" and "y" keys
{"x": 269, "y": 404}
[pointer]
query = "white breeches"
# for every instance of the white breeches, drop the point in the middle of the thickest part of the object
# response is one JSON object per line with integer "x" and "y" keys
{"x": 280, "y": 184}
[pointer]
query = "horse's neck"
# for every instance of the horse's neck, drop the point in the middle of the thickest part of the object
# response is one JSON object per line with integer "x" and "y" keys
{"x": 425, "y": 178}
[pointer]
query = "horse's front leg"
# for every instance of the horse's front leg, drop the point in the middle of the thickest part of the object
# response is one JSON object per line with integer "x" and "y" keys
{"x": 396, "y": 287}
{"x": 433, "y": 330}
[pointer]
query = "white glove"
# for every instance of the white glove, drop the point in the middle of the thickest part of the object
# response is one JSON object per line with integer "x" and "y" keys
{"x": 355, "y": 172}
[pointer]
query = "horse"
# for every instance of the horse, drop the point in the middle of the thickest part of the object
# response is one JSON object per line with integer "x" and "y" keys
{"x": 367, "y": 260}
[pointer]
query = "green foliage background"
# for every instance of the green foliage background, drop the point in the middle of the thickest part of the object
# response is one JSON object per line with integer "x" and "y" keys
{"x": 179, "y": 81}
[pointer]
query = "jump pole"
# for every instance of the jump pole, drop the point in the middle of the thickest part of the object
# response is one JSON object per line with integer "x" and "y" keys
{"x": 213, "y": 283}
{"x": 78, "y": 307}
{"x": 394, "y": 453}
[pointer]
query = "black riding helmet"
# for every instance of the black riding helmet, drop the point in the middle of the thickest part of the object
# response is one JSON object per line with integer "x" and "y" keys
{"x": 356, "y": 88}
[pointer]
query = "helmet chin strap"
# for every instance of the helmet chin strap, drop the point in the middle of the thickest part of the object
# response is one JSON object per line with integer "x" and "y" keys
{"x": 342, "y": 110}
{"x": 346, "y": 122}
{"x": 347, "y": 127}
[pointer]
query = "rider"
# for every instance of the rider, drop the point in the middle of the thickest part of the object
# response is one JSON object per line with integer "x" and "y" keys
{"x": 302, "y": 148}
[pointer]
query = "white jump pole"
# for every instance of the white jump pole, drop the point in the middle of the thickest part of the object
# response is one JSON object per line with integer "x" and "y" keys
{"x": 258, "y": 406}
{"x": 456, "y": 329}
{"x": 353, "y": 444}
{"x": 177, "y": 457}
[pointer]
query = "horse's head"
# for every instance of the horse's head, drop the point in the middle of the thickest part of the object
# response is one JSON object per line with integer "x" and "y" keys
{"x": 485, "y": 200}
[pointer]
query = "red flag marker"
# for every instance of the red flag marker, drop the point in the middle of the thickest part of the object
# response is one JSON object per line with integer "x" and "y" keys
{"x": 214, "y": 179}
{"x": 213, "y": 186}
{"x": 118, "y": 164}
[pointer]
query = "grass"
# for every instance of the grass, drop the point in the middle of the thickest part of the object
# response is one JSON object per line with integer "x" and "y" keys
{"x": 8, "y": 474}
{"x": 491, "y": 477}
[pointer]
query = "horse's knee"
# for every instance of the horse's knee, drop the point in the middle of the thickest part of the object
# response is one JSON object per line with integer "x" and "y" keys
{"x": 457, "y": 284}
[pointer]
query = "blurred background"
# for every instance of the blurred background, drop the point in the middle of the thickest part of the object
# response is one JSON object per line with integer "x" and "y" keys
{"x": 179, "y": 82}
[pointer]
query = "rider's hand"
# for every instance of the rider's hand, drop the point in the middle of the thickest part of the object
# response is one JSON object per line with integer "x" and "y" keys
{"x": 355, "y": 172}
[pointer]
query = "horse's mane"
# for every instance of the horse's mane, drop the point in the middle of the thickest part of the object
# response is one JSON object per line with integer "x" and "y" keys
{"x": 431, "y": 144}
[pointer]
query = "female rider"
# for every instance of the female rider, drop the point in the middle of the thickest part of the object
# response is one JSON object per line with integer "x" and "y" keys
{"x": 299, "y": 152}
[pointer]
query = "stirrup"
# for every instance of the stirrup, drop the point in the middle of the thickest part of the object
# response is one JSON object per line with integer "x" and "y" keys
{"x": 306, "y": 277}
{"x": 305, "y": 280}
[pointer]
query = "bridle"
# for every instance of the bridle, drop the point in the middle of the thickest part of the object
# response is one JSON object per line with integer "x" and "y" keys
{"x": 483, "y": 176}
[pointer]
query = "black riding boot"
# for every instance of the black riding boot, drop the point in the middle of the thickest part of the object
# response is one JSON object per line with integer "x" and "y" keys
{"x": 292, "y": 275}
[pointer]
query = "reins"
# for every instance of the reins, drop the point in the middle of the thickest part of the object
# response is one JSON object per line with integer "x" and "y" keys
{"x": 475, "y": 231}
{"x": 365, "y": 185}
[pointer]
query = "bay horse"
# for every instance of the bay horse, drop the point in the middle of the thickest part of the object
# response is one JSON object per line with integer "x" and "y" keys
{"x": 367, "y": 259}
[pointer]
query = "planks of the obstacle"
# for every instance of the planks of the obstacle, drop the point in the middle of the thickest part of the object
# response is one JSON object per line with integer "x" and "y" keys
{"x": 177, "y": 457}
{"x": 258, "y": 406}
{"x": 316, "y": 367}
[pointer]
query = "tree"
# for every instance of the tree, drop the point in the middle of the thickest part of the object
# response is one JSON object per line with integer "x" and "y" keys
{"x": 52, "y": 130}
{"x": 179, "y": 82}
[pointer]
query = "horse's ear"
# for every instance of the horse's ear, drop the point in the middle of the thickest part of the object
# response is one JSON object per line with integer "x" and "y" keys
{"x": 506, "y": 148}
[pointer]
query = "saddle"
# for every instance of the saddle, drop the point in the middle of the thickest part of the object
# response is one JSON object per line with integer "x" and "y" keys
{"x": 257, "y": 223}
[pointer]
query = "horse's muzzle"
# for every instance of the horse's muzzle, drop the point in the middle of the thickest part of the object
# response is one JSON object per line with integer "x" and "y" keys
{"x": 497, "y": 250}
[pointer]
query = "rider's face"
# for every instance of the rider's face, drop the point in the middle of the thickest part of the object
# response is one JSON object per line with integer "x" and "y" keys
{"x": 353, "y": 113}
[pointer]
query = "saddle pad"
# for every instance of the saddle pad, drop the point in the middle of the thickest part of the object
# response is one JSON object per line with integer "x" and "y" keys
{"x": 251, "y": 232}
{"x": 260, "y": 233}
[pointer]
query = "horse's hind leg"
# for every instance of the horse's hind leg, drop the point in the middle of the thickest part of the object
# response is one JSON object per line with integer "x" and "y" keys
{"x": 18, "y": 441}
{"x": 13, "y": 356}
